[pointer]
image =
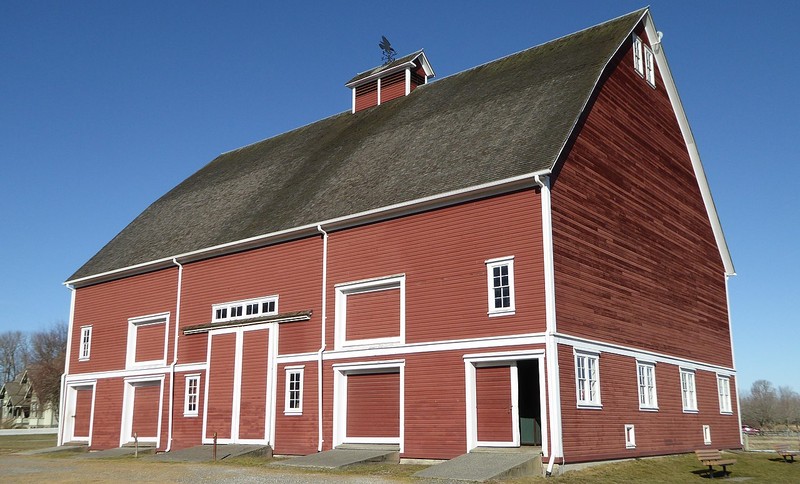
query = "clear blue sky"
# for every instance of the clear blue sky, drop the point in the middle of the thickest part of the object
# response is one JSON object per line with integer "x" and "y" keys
{"x": 105, "y": 106}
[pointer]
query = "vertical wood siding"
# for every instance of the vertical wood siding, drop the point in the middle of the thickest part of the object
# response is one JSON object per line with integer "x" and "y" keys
{"x": 150, "y": 342}
{"x": 145, "y": 410}
{"x": 107, "y": 307}
{"x": 373, "y": 405}
{"x": 595, "y": 434}
{"x": 253, "y": 406}
{"x": 636, "y": 261}
{"x": 83, "y": 411}
{"x": 220, "y": 386}
{"x": 443, "y": 254}
{"x": 373, "y": 314}
{"x": 493, "y": 401}
{"x": 297, "y": 434}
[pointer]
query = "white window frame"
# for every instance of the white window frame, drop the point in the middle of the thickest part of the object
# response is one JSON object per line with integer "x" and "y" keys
{"x": 187, "y": 403}
{"x": 343, "y": 290}
{"x": 630, "y": 436}
{"x": 133, "y": 327}
{"x": 241, "y": 306}
{"x": 86, "y": 343}
{"x": 591, "y": 393}
{"x": 638, "y": 57}
{"x": 724, "y": 392}
{"x": 287, "y": 405}
{"x": 688, "y": 390}
{"x": 491, "y": 264}
{"x": 649, "y": 66}
{"x": 648, "y": 395}
{"x": 707, "y": 434}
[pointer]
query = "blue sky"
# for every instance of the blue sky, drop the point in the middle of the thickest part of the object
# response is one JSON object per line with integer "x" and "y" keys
{"x": 105, "y": 106}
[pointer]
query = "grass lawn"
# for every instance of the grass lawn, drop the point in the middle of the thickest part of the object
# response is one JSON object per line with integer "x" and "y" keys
{"x": 16, "y": 443}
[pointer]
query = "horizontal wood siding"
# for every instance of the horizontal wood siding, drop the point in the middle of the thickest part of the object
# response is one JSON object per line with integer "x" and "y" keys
{"x": 297, "y": 434}
{"x": 373, "y": 405}
{"x": 107, "y": 413}
{"x": 493, "y": 402}
{"x": 107, "y": 308}
{"x": 220, "y": 386}
{"x": 373, "y": 314}
{"x": 442, "y": 254}
{"x": 292, "y": 270}
{"x": 83, "y": 411}
{"x": 393, "y": 86}
{"x": 597, "y": 434}
{"x": 187, "y": 431}
{"x": 150, "y": 342}
{"x": 145, "y": 410}
{"x": 253, "y": 408}
{"x": 636, "y": 261}
{"x": 367, "y": 95}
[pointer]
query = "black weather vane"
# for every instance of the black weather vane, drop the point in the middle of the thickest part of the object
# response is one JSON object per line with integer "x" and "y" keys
{"x": 388, "y": 52}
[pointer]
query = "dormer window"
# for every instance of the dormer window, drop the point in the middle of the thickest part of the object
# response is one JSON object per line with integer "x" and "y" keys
{"x": 250, "y": 308}
{"x": 389, "y": 81}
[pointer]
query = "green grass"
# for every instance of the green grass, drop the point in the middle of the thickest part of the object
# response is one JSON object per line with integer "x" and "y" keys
{"x": 10, "y": 444}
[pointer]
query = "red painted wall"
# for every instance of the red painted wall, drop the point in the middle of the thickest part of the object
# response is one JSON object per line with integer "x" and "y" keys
{"x": 187, "y": 431}
{"x": 83, "y": 412}
{"x": 493, "y": 401}
{"x": 367, "y": 96}
{"x": 373, "y": 314}
{"x": 297, "y": 434}
{"x": 107, "y": 413}
{"x": 145, "y": 410}
{"x": 150, "y": 342}
{"x": 220, "y": 386}
{"x": 253, "y": 405}
{"x": 373, "y": 405}
{"x": 393, "y": 86}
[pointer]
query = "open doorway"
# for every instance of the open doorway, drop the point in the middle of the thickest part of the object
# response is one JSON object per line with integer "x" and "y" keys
{"x": 530, "y": 411}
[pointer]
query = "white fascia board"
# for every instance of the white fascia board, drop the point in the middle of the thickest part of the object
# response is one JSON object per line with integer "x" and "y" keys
{"x": 691, "y": 146}
{"x": 410, "y": 207}
{"x": 379, "y": 74}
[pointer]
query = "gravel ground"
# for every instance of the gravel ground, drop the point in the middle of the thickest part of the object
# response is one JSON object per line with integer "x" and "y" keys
{"x": 27, "y": 469}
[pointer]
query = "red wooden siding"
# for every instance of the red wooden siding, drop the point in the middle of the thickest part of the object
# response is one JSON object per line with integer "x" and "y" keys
{"x": 150, "y": 341}
{"x": 373, "y": 405}
{"x": 297, "y": 434}
{"x": 107, "y": 308}
{"x": 187, "y": 431}
{"x": 292, "y": 270}
{"x": 592, "y": 434}
{"x": 145, "y": 409}
{"x": 493, "y": 402}
{"x": 367, "y": 95}
{"x": 220, "y": 386}
{"x": 253, "y": 405}
{"x": 107, "y": 413}
{"x": 393, "y": 86}
{"x": 83, "y": 411}
{"x": 373, "y": 314}
{"x": 636, "y": 261}
{"x": 443, "y": 254}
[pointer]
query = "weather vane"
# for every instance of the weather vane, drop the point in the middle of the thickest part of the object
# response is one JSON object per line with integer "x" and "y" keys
{"x": 388, "y": 52}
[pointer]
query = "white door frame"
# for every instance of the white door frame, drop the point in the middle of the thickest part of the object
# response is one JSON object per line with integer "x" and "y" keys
{"x": 128, "y": 401}
{"x": 71, "y": 401}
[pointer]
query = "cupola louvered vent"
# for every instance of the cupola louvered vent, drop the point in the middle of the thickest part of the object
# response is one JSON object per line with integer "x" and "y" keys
{"x": 390, "y": 81}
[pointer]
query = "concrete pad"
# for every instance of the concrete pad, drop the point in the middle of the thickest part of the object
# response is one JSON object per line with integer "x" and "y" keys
{"x": 204, "y": 453}
{"x": 346, "y": 455}
{"x": 55, "y": 450}
{"x": 485, "y": 464}
{"x": 119, "y": 452}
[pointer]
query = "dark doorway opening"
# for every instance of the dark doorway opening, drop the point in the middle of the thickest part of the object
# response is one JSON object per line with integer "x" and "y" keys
{"x": 530, "y": 411}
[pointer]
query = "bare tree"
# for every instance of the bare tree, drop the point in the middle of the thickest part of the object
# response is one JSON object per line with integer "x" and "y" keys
{"x": 760, "y": 405}
{"x": 788, "y": 406}
{"x": 48, "y": 351}
{"x": 13, "y": 354}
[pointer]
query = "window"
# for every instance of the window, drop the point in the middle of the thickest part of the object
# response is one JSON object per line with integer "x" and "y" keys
{"x": 250, "y": 308}
{"x": 587, "y": 379}
{"x": 646, "y": 373}
{"x": 500, "y": 279}
{"x": 649, "y": 66}
{"x": 86, "y": 343}
{"x": 190, "y": 405}
{"x": 707, "y": 434}
{"x": 638, "y": 62}
{"x": 724, "y": 391}
{"x": 294, "y": 391}
{"x": 630, "y": 437}
{"x": 147, "y": 341}
{"x": 688, "y": 391}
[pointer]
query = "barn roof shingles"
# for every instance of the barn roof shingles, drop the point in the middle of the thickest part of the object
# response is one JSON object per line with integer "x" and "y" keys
{"x": 496, "y": 121}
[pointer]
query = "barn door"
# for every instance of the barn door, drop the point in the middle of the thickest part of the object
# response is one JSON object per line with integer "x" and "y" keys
{"x": 80, "y": 408}
{"x": 495, "y": 406}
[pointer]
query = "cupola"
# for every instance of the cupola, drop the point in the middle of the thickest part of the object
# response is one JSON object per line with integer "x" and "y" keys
{"x": 389, "y": 81}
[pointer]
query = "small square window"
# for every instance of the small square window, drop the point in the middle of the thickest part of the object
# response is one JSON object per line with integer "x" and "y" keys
{"x": 587, "y": 379}
{"x": 500, "y": 280}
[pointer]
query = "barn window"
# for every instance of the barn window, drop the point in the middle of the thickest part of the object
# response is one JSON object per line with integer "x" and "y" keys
{"x": 688, "y": 392}
{"x": 587, "y": 379}
{"x": 724, "y": 391}
{"x": 638, "y": 61}
{"x": 707, "y": 434}
{"x": 646, "y": 374}
{"x": 86, "y": 343}
{"x": 147, "y": 341}
{"x": 294, "y": 391}
{"x": 500, "y": 281}
{"x": 250, "y": 308}
{"x": 190, "y": 406}
{"x": 630, "y": 436}
{"x": 649, "y": 66}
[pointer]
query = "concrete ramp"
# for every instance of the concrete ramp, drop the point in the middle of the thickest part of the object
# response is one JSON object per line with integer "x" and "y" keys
{"x": 346, "y": 455}
{"x": 70, "y": 447}
{"x": 204, "y": 453}
{"x": 120, "y": 452}
{"x": 483, "y": 464}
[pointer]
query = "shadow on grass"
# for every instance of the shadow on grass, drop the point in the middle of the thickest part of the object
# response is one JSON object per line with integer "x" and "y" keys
{"x": 716, "y": 474}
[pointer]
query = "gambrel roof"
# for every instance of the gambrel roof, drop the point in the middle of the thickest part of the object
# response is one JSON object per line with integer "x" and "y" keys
{"x": 508, "y": 118}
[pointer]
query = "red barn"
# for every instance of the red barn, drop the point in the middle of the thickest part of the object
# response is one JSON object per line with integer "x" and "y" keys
{"x": 524, "y": 253}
